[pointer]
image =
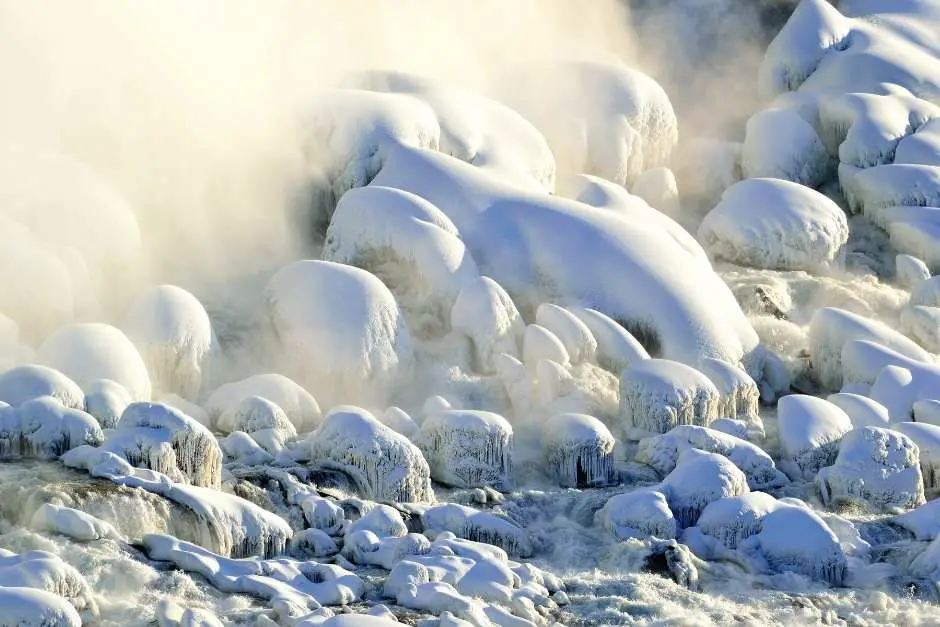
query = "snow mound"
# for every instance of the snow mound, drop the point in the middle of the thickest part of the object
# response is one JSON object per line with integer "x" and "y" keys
{"x": 539, "y": 344}
{"x": 468, "y": 449}
{"x": 365, "y": 547}
{"x": 485, "y": 313}
{"x": 923, "y": 522}
{"x": 917, "y": 237}
{"x": 658, "y": 187}
{"x": 253, "y": 414}
{"x": 657, "y": 395}
{"x": 927, "y": 411}
{"x": 340, "y": 329}
{"x": 873, "y": 189}
{"x": 87, "y": 352}
{"x": 922, "y": 146}
{"x": 927, "y": 293}
{"x": 398, "y": 420}
{"x": 382, "y": 520}
{"x": 72, "y": 523}
{"x": 295, "y": 401}
{"x": 876, "y": 467}
{"x": 740, "y": 397}
{"x": 736, "y": 518}
{"x": 616, "y": 348}
{"x": 796, "y": 539}
{"x": 578, "y": 451}
{"x": 384, "y": 464}
{"x": 910, "y": 271}
{"x": 161, "y": 438}
{"x": 409, "y": 244}
{"x": 903, "y": 381}
{"x": 639, "y": 514}
{"x": 41, "y": 570}
{"x": 43, "y": 427}
{"x": 28, "y": 607}
{"x": 172, "y": 331}
{"x": 923, "y": 325}
{"x": 861, "y": 410}
{"x": 810, "y": 431}
{"x": 830, "y": 329}
{"x": 780, "y": 144}
{"x": 698, "y": 479}
{"x": 106, "y": 400}
{"x": 662, "y": 452}
{"x": 775, "y": 224}
{"x": 927, "y": 438}
{"x": 477, "y": 526}
{"x": 242, "y": 448}
{"x": 577, "y": 338}
{"x": 24, "y": 383}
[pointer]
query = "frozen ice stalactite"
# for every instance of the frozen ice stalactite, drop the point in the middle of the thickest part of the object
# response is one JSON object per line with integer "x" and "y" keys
{"x": 780, "y": 144}
{"x": 540, "y": 343}
{"x": 295, "y": 401}
{"x": 639, "y": 514}
{"x": 23, "y": 383}
{"x": 43, "y": 427}
{"x": 861, "y": 410}
{"x": 616, "y": 347}
{"x": 877, "y": 467}
{"x": 796, "y": 539}
{"x": 485, "y": 313}
{"x": 578, "y": 451}
{"x": 158, "y": 437}
{"x": 740, "y": 397}
{"x": 172, "y": 331}
{"x": 577, "y": 338}
{"x": 927, "y": 438}
{"x": 254, "y": 414}
{"x": 340, "y": 329}
{"x": 409, "y": 244}
{"x": 468, "y": 449}
{"x": 384, "y": 464}
{"x": 698, "y": 479}
{"x": 106, "y": 400}
{"x": 831, "y": 329}
{"x": 775, "y": 224}
{"x": 810, "y": 430}
{"x": 45, "y": 571}
{"x": 477, "y": 526}
{"x": 87, "y": 352}
{"x": 734, "y": 519}
{"x": 910, "y": 271}
{"x": 26, "y": 607}
{"x": 657, "y": 395}
{"x": 663, "y": 452}
{"x": 923, "y": 325}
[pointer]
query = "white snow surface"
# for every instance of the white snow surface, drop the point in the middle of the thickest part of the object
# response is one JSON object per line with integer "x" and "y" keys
{"x": 810, "y": 431}
{"x": 657, "y": 395}
{"x": 302, "y": 409}
{"x": 485, "y": 313}
{"x": 24, "y": 383}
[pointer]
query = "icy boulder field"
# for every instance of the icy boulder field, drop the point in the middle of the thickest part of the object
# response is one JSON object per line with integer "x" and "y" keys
{"x": 379, "y": 328}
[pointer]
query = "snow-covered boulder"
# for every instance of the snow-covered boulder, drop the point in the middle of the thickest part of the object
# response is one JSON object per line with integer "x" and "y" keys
{"x": 384, "y": 464}
{"x": 43, "y": 427}
{"x": 41, "y": 570}
{"x": 539, "y": 343}
{"x": 698, "y": 479}
{"x": 468, "y": 449}
{"x": 616, "y": 348}
{"x": 831, "y": 329}
{"x": 485, "y": 313}
{"x": 658, "y": 187}
{"x": 736, "y": 518}
{"x": 106, "y": 400}
{"x": 876, "y": 467}
{"x": 254, "y": 414}
{"x": 927, "y": 438}
{"x": 172, "y": 331}
{"x": 639, "y": 514}
{"x": 927, "y": 411}
{"x": 861, "y": 410}
{"x": 810, "y": 431}
{"x": 923, "y": 521}
{"x": 796, "y": 539}
{"x": 409, "y": 244}
{"x": 477, "y": 526}
{"x": 902, "y": 381}
{"x": 775, "y": 224}
{"x": 578, "y": 451}
{"x": 780, "y": 144}
{"x": 917, "y": 237}
{"x": 657, "y": 395}
{"x": 662, "y": 452}
{"x": 397, "y": 419}
{"x": 340, "y": 329}
{"x": 871, "y": 190}
{"x": 243, "y": 449}
{"x": 577, "y": 338}
{"x": 29, "y": 606}
{"x": 24, "y": 383}
{"x": 740, "y": 397}
{"x": 87, "y": 352}
{"x": 301, "y": 408}
{"x": 910, "y": 271}
{"x": 73, "y": 523}
{"x": 927, "y": 293}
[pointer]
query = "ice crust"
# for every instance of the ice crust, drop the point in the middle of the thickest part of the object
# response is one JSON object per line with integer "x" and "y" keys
{"x": 301, "y": 408}
{"x": 468, "y": 449}
{"x": 810, "y": 431}
{"x": 657, "y": 395}
{"x": 578, "y": 451}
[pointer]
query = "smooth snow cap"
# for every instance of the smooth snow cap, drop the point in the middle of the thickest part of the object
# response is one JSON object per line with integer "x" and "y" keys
{"x": 24, "y": 383}
{"x": 485, "y": 313}
{"x": 616, "y": 348}
{"x": 861, "y": 410}
{"x": 810, "y": 430}
{"x": 780, "y": 144}
{"x": 297, "y": 403}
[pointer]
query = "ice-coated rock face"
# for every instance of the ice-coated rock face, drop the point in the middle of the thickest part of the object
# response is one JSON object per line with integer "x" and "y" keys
{"x": 775, "y": 224}
{"x": 384, "y": 464}
{"x": 831, "y": 329}
{"x": 810, "y": 431}
{"x": 24, "y": 383}
{"x": 106, "y": 400}
{"x": 87, "y": 352}
{"x": 485, "y": 313}
{"x": 578, "y": 451}
{"x": 301, "y": 408}
{"x": 740, "y": 397}
{"x": 662, "y": 452}
{"x": 780, "y": 144}
{"x": 861, "y": 410}
{"x": 161, "y": 438}
{"x": 577, "y": 338}
{"x": 44, "y": 571}
{"x": 736, "y": 518}
{"x": 340, "y": 329}
{"x": 43, "y": 427}
{"x": 796, "y": 539}
{"x": 698, "y": 479}
{"x": 927, "y": 438}
{"x": 409, "y": 244}
{"x": 616, "y": 348}
{"x": 657, "y": 395}
{"x": 173, "y": 333}
{"x": 910, "y": 271}
{"x": 877, "y": 467}
{"x": 639, "y": 514}
{"x": 468, "y": 449}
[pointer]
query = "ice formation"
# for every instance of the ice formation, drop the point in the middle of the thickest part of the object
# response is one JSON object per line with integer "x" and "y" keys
{"x": 796, "y": 539}
{"x": 295, "y": 401}
{"x": 775, "y": 224}
{"x": 24, "y": 383}
{"x": 734, "y": 519}
{"x": 861, "y": 410}
{"x": 577, "y": 338}
{"x": 877, "y": 467}
{"x": 810, "y": 431}
{"x": 106, "y": 400}
{"x": 578, "y": 451}
{"x": 739, "y": 394}
{"x": 485, "y": 313}
{"x": 468, "y": 449}
{"x": 698, "y": 479}
{"x": 927, "y": 438}
{"x": 638, "y": 514}
{"x": 384, "y": 464}
{"x": 87, "y": 352}
{"x": 910, "y": 271}
{"x": 41, "y": 570}
{"x": 256, "y": 415}
{"x": 780, "y": 144}
{"x": 73, "y": 523}
{"x": 657, "y": 395}
{"x": 29, "y": 606}
{"x": 173, "y": 333}
{"x": 340, "y": 329}
{"x": 43, "y": 427}
{"x": 616, "y": 347}
{"x": 477, "y": 526}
